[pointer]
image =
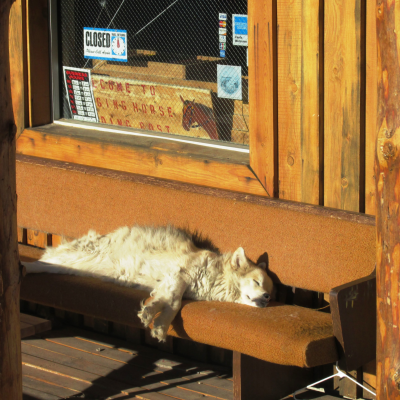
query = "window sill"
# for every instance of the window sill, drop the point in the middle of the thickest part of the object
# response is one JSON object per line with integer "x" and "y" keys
{"x": 150, "y": 156}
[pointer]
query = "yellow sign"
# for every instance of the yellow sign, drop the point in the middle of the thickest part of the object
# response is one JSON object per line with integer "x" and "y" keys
{"x": 154, "y": 106}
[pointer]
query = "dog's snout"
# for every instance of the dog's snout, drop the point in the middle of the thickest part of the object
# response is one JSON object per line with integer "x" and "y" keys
{"x": 267, "y": 296}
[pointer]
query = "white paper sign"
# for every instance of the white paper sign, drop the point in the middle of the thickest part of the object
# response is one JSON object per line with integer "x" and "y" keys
{"x": 105, "y": 44}
{"x": 229, "y": 79}
{"x": 239, "y": 30}
{"x": 78, "y": 84}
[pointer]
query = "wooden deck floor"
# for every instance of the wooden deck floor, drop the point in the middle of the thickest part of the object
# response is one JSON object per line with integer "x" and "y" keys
{"x": 79, "y": 364}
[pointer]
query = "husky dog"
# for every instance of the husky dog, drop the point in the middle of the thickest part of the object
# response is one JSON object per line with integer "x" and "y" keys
{"x": 164, "y": 261}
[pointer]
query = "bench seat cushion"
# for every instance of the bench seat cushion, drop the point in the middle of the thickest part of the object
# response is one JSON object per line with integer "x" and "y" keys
{"x": 280, "y": 334}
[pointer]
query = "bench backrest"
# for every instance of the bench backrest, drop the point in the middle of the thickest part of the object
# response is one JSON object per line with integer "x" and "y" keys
{"x": 308, "y": 246}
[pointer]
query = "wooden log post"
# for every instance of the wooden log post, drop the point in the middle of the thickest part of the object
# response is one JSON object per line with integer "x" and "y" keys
{"x": 387, "y": 178}
{"x": 10, "y": 342}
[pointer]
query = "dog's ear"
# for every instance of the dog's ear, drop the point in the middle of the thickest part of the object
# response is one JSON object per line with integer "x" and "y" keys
{"x": 239, "y": 259}
{"x": 263, "y": 266}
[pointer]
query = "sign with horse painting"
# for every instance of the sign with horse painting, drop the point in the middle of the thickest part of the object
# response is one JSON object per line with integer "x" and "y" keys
{"x": 154, "y": 106}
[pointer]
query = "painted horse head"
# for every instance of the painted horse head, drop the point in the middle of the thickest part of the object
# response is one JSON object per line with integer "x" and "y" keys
{"x": 188, "y": 114}
{"x": 203, "y": 116}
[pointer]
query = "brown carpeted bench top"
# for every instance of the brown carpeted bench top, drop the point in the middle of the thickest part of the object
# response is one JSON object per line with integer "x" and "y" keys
{"x": 280, "y": 334}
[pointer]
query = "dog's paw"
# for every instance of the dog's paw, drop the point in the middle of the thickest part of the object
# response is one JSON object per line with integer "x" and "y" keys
{"x": 145, "y": 316}
{"x": 160, "y": 333}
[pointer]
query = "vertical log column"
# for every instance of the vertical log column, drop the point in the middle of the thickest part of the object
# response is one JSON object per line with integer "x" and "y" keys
{"x": 10, "y": 342}
{"x": 387, "y": 178}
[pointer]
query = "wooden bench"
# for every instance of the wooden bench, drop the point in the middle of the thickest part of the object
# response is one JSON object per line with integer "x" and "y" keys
{"x": 309, "y": 247}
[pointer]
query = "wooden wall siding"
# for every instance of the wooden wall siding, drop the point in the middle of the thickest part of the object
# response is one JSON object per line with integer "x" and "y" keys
{"x": 371, "y": 109}
{"x": 306, "y": 80}
{"x": 263, "y": 74}
{"x": 16, "y": 52}
{"x": 298, "y": 100}
{"x": 38, "y": 65}
{"x": 56, "y": 240}
{"x": 342, "y": 104}
{"x": 37, "y": 239}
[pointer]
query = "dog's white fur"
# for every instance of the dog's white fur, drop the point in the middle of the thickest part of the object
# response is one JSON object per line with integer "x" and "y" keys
{"x": 164, "y": 261}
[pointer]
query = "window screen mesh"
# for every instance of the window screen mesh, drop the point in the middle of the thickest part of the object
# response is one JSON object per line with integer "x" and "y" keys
{"x": 185, "y": 71}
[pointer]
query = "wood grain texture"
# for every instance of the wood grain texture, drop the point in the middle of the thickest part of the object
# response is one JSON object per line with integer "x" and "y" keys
{"x": 260, "y": 380}
{"x": 10, "y": 334}
{"x": 56, "y": 240}
{"x": 298, "y": 100}
{"x": 36, "y": 238}
{"x": 371, "y": 108}
{"x": 20, "y": 235}
{"x": 38, "y": 62}
{"x": 387, "y": 172}
{"x": 354, "y": 322}
{"x": 263, "y": 93}
{"x": 342, "y": 104}
{"x": 16, "y": 52}
{"x": 146, "y": 157}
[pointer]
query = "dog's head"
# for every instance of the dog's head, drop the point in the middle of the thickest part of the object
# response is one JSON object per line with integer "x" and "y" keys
{"x": 254, "y": 284}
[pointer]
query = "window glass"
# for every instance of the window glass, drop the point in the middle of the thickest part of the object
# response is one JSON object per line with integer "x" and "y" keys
{"x": 172, "y": 66}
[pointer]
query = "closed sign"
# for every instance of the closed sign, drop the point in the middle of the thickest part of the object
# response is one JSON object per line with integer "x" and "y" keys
{"x": 105, "y": 44}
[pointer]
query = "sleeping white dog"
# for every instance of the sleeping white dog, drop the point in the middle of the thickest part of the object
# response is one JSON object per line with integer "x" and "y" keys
{"x": 164, "y": 261}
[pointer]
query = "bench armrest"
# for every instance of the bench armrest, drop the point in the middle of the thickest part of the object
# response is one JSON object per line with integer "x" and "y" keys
{"x": 353, "y": 308}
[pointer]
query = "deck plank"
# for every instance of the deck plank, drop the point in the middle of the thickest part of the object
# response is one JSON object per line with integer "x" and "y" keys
{"x": 68, "y": 382}
{"x": 48, "y": 388}
{"x": 212, "y": 391}
{"x": 62, "y": 363}
{"x": 164, "y": 359}
{"x": 33, "y": 394}
{"x": 179, "y": 393}
{"x": 131, "y": 370}
{"x": 105, "y": 352}
{"x": 215, "y": 381}
{"x": 151, "y": 360}
{"x": 73, "y": 373}
{"x": 125, "y": 376}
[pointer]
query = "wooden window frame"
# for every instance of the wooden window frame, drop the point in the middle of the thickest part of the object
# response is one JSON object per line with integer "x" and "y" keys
{"x": 184, "y": 162}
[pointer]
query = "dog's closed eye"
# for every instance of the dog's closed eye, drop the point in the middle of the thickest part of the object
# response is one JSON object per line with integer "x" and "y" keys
{"x": 256, "y": 282}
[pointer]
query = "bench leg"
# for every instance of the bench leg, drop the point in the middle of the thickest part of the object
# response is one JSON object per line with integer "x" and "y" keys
{"x": 256, "y": 379}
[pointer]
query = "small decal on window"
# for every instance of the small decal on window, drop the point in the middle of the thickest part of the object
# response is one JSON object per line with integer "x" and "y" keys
{"x": 229, "y": 82}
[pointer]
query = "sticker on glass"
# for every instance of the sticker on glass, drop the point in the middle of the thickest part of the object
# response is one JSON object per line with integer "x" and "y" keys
{"x": 222, "y": 24}
{"x": 229, "y": 81}
{"x": 105, "y": 44}
{"x": 222, "y": 31}
{"x": 78, "y": 84}
{"x": 222, "y": 53}
{"x": 222, "y": 46}
{"x": 222, "y": 38}
{"x": 239, "y": 30}
{"x": 223, "y": 16}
